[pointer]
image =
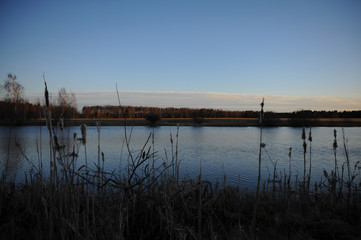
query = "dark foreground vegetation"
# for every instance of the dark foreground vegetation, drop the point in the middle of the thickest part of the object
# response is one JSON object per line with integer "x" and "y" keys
{"x": 149, "y": 200}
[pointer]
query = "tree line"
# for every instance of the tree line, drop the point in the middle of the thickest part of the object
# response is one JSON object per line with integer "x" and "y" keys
{"x": 15, "y": 108}
{"x": 170, "y": 112}
{"x": 141, "y": 112}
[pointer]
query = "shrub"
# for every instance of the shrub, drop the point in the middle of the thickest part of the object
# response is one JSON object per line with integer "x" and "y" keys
{"x": 153, "y": 117}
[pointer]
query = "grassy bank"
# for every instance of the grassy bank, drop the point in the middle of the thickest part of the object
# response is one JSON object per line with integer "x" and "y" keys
{"x": 213, "y": 122}
{"x": 148, "y": 200}
{"x": 170, "y": 210}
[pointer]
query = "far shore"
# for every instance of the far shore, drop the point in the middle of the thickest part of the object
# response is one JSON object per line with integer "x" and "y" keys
{"x": 209, "y": 122}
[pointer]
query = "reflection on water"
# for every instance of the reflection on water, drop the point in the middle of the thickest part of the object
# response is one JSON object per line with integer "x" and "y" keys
{"x": 222, "y": 150}
{"x": 11, "y": 147}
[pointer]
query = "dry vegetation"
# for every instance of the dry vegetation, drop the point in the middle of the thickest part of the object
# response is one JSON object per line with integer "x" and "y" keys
{"x": 149, "y": 200}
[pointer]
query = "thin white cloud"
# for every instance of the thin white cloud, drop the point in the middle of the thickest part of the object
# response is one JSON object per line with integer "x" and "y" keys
{"x": 227, "y": 101}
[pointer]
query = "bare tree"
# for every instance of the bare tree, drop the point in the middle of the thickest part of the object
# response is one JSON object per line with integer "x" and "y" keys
{"x": 63, "y": 98}
{"x": 13, "y": 90}
{"x": 73, "y": 104}
{"x": 67, "y": 103}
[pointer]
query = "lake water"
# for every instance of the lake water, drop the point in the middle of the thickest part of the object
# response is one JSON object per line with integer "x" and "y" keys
{"x": 217, "y": 151}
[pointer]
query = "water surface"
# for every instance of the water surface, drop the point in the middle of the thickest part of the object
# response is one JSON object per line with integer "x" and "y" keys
{"x": 214, "y": 152}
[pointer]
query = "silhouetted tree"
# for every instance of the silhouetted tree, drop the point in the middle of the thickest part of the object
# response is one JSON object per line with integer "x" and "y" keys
{"x": 13, "y": 90}
{"x": 67, "y": 103}
{"x": 153, "y": 117}
{"x": 13, "y": 96}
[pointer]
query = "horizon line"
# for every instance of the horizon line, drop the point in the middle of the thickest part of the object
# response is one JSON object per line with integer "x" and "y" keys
{"x": 210, "y": 100}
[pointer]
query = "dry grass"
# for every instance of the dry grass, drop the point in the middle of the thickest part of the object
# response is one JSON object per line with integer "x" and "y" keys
{"x": 149, "y": 201}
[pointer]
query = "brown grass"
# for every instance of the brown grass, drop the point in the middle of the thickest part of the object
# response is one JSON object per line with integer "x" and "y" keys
{"x": 150, "y": 201}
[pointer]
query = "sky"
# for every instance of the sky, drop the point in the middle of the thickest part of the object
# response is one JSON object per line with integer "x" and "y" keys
{"x": 214, "y": 54}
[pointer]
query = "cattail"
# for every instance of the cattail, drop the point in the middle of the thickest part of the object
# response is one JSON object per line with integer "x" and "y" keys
{"x": 304, "y": 153}
{"x": 261, "y": 115}
{"x": 61, "y": 124}
{"x": 310, "y": 168}
{"x": 46, "y": 95}
{"x": 143, "y": 155}
{"x": 290, "y": 152}
{"x": 47, "y": 113}
{"x": 289, "y": 165}
{"x": 325, "y": 173}
{"x": 83, "y": 133}
{"x": 335, "y": 144}
{"x": 56, "y": 141}
{"x": 335, "y": 149}
{"x": 304, "y": 147}
{"x": 303, "y": 134}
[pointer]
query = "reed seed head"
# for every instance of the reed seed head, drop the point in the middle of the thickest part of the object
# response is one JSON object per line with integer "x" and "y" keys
{"x": 335, "y": 140}
{"x": 56, "y": 141}
{"x": 325, "y": 173}
{"x": 261, "y": 114}
{"x": 304, "y": 146}
{"x": 46, "y": 94}
{"x": 310, "y": 136}
{"x": 83, "y": 132}
{"x": 61, "y": 124}
{"x": 335, "y": 144}
{"x": 303, "y": 133}
{"x": 290, "y": 152}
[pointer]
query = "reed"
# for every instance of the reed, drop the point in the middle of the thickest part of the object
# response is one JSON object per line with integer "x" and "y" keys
{"x": 310, "y": 166}
{"x": 151, "y": 201}
{"x": 304, "y": 153}
{"x": 261, "y": 145}
{"x": 190, "y": 209}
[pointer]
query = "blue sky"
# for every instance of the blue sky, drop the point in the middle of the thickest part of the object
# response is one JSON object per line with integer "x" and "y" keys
{"x": 187, "y": 53}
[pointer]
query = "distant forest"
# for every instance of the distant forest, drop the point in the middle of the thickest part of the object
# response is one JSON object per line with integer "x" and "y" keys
{"x": 26, "y": 111}
{"x": 142, "y": 112}
{"x": 15, "y": 109}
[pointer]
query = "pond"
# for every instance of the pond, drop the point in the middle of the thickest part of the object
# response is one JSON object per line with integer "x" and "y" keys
{"x": 227, "y": 155}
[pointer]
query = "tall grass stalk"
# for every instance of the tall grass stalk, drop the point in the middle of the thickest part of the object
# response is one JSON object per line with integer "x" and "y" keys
{"x": 52, "y": 159}
{"x": 98, "y": 166}
{"x": 149, "y": 204}
{"x": 289, "y": 164}
{"x": 261, "y": 145}
{"x": 335, "y": 150}
{"x": 347, "y": 159}
{"x": 5, "y": 172}
{"x": 304, "y": 154}
{"x": 310, "y": 167}
{"x": 200, "y": 202}
{"x": 350, "y": 176}
{"x": 162, "y": 209}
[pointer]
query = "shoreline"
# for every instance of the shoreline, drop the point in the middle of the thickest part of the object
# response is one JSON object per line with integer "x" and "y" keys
{"x": 206, "y": 122}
